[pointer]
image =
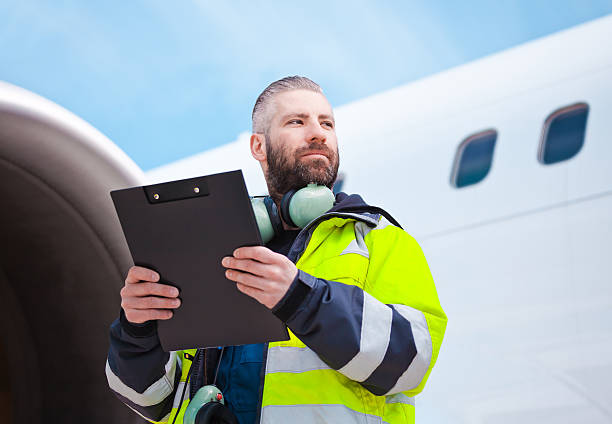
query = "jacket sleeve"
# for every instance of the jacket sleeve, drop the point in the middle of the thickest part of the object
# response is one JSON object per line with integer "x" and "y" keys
{"x": 386, "y": 337}
{"x": 139, "y": 372}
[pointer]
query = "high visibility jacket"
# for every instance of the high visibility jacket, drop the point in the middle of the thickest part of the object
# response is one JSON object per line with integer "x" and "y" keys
{"x": 365, "y": 331}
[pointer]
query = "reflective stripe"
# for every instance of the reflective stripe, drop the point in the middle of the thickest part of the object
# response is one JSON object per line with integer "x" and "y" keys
{"x": 315, "y": 414}
{"x": 375, "y": 335}
{"x": 179, "y": 392}
{"x": 400, "y": 398}
{"x": 154, "y": 394}
{"x": 412, "y": 377}
{"x": 165, "y": 419}
{"x": 358, "y": 245}
{"x": 293, "y": 359}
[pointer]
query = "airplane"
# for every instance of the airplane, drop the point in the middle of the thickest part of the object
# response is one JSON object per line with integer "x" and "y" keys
{"x": 500, "y": 169}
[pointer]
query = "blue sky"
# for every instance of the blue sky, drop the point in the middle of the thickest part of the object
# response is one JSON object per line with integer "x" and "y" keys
{"x": 165, "y": 80}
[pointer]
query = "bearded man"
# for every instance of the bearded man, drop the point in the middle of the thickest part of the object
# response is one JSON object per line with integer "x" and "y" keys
{"x": 353, "y": 288}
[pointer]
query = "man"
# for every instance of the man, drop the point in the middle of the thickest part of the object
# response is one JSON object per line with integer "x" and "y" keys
{"x": 354, "y": 290}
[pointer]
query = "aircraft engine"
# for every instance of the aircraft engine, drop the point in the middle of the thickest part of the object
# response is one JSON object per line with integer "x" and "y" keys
{"x": 63, "y": 259}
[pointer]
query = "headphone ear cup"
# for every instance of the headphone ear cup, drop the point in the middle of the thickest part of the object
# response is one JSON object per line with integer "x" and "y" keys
{"x": 215, "y": 413}
{"x": 307, "y": 204}
{"x": 284, "y": 208}
{"x": 277, "y": 224}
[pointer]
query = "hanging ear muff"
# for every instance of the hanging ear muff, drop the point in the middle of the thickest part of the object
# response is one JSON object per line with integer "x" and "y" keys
{"x": 208, "y": 406}
{"x": 300, "y": 207}
{"x": 215, "y": 413}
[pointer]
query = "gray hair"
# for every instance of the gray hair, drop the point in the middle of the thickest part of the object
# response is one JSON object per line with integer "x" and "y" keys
{"x": 260, "y": 118}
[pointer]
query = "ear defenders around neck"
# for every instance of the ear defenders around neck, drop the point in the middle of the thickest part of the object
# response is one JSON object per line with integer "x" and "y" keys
{"x": 297, "y": 208}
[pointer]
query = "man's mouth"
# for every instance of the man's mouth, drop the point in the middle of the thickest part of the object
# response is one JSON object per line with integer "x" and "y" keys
{"x": 315, "y": 154}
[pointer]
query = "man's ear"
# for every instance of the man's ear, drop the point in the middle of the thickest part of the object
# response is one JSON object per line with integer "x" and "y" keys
{"x": 258, "y": 147}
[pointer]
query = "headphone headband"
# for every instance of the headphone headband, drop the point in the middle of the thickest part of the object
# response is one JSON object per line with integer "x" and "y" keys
{"x": 275, "y": 220}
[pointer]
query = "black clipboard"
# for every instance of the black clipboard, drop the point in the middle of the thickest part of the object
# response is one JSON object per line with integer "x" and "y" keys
{"x": 182, "y": 229}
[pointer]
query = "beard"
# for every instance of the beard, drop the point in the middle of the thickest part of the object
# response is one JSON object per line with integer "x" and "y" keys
{"x": 288, "y": 171}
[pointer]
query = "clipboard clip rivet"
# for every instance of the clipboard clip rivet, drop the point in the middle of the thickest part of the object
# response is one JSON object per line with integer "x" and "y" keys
{"x": 196, "y": 189}
{"x": 156, "y": 196}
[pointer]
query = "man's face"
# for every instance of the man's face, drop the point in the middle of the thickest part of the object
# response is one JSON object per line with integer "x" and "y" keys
{"x": 301, "y": 144}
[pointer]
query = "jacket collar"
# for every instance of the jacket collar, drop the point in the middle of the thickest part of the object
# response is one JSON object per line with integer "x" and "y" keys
{"x": 346, "y": 206}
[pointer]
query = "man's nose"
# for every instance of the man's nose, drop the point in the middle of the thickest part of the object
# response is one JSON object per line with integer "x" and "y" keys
{"x": 316, "y": 133}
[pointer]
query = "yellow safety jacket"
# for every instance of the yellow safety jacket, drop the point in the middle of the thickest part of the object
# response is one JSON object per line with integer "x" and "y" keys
{"x": 365, "y": 326}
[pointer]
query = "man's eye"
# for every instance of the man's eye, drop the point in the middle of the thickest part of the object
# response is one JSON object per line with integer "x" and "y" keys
{"x": 295, "y": 121}
{"x": 328, "y": 124}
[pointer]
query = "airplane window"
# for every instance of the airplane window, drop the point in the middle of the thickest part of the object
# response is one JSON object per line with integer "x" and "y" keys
{"x": 473, "y": 158}
{"x": 563, "y": 133}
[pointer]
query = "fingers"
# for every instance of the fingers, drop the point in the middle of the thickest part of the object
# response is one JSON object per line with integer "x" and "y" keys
{"x": 249, "y": 284}
{"x": 246, "y": 279}
{"x": 141, "y": 309}
{"x": 260, "y": 273}
{"x": 251, "y": 291}
{"x": 139, "y": 316}
{"x": 137, "y": 274}
{"x": 149, "y": 289}
{"x": 259, "y": 253}
{"x": 246, "y": 265}
{"x": 149, "y": 302}
{"x": 143, "y": 299}
{"x": 259, "y": 295}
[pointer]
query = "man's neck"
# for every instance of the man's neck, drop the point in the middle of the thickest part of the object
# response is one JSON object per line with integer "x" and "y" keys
{"x": 277, "y": 201}
{"x": 285, "y": 225}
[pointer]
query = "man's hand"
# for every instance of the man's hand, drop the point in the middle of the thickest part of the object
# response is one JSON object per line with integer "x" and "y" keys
{"x": 143, "y": 299}
{"x": 260, "y": 273}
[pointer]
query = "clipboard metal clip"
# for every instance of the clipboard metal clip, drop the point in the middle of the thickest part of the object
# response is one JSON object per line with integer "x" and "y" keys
{"x": 176, "y": 190}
